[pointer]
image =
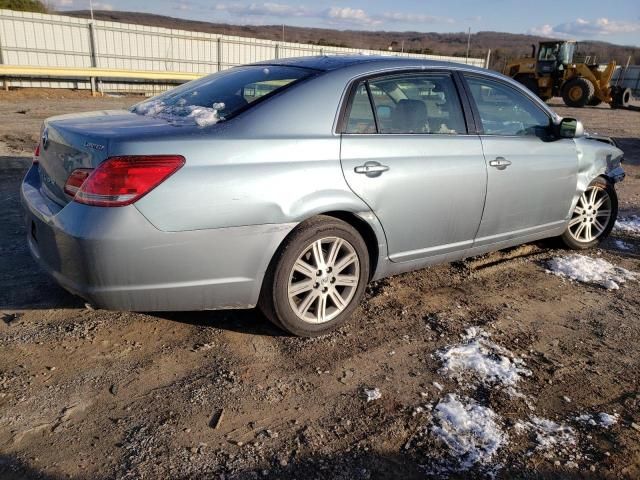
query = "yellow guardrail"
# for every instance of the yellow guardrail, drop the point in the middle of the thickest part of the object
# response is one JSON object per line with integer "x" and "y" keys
{"x": 91, "y": 72}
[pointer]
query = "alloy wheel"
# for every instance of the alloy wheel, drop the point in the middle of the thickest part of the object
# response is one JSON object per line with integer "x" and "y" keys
{"x": 323, "y": 280}
{"x": 591, "y": 215}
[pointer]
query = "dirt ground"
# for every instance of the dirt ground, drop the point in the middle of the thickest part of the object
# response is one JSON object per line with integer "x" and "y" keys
{"x": 92, "y": 394}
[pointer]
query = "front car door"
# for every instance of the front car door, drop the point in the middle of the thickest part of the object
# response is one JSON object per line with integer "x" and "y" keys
{"x": 532, "y": 174}
{"x": 406, "y": 152}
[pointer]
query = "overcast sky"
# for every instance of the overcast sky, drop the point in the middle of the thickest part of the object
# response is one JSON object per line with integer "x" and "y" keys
{"x": 616, "y": 21}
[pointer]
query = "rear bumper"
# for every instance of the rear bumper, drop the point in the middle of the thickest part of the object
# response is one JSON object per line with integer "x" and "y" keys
{"x": 116, "y": 259}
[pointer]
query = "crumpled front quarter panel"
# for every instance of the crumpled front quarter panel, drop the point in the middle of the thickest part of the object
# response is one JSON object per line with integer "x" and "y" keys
{"x": 596, "y": 158}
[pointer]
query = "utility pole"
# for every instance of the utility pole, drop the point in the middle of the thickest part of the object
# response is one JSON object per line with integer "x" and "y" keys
{"x": 91, "y": 8}
{"x": 468, "y": 45}
{"x": 283, "y": 33}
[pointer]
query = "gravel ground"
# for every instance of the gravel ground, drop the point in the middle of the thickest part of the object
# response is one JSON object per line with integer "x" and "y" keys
{"x": 96, "y": 394}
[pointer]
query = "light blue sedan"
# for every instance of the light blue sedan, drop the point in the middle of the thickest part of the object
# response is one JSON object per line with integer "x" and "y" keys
{"x": 290, "y": 184}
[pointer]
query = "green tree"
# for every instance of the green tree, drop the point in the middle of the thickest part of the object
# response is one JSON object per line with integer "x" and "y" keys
{"x": 23, "y": 5}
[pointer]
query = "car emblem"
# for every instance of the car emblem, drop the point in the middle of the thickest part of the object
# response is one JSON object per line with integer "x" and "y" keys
{"x": 45, "y": 138}
{"x": 94, "y": 146}
{"x": 47, "y": 179}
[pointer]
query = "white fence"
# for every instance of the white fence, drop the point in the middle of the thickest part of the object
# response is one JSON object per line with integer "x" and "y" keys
{"x": 34, "y": 39}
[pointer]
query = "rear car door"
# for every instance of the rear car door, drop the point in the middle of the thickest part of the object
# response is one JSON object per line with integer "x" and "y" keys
{"x": 406, "y": 152}
{"x": 532, "y": 174}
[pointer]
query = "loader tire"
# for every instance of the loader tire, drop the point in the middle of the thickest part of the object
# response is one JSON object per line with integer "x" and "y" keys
{"x": 577, "y": 92}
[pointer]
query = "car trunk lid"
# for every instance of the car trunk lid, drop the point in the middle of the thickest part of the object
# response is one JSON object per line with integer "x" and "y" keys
{"x": 69, "y": 142}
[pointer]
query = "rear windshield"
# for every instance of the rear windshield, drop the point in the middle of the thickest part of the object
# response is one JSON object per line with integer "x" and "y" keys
{"x": 217, "y": 97}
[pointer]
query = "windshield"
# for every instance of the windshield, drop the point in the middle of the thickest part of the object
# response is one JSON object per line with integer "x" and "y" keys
{"x": 561, "y": 52}
{"x": 549, "y": 52}
{"x": 217, "y": 97}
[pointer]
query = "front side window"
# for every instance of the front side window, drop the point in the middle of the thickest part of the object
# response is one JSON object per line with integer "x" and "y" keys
{"x": 407, "y": 104}
{"x": 219, "y": 96}
{"x": 506, "y": 111}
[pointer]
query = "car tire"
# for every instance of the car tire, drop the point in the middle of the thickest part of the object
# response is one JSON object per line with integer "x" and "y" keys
{"x": 590, "y": 217}
{"x": 577, "y": 92}
{"x": 307, "y": 297}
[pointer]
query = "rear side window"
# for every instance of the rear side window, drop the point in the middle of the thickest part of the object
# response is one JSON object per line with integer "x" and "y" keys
{"x": 505, "y": 111}
{"x": 407, "y": 104}
{"x": 361, "y": 119}
{"x": 219, "y": 96}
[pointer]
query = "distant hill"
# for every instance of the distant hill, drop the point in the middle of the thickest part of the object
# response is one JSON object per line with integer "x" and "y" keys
{"x": 502, "y": 45}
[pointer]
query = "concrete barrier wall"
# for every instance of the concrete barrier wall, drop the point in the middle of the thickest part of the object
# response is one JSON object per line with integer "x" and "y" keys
{"x": 34, "y": 39}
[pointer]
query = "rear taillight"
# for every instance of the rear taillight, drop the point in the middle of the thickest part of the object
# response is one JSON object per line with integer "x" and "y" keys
{"x": 75, "y": 180}
{"x": 121, "y": 181}
{"x": 36, "y": 154}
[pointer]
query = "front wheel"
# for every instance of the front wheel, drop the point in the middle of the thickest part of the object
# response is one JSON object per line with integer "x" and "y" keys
{"x": 593, "y": 217}
{"x": 317, "y": 277}
{"x": 577, "y": 92}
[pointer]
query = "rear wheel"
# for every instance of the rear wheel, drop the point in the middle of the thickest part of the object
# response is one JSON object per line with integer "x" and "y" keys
{"x": 593, "y": 217}
{"x": 577, "y": 92}
{"x": 317, "y": 278}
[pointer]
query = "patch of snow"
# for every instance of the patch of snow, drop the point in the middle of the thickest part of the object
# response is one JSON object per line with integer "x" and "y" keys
{"x": 201, "y": 116}
{"x": 372, "y": 394}
{"x": 151, "y": 108}
{"x": 629, "y": 225}
{"x": 548, "y": 434}
{"x": 204, "y": 116}
{"x": 622, "y": 245}
{"x": 589, "y": 270}
{"x": 483, "y": 359}
{"x": 601, "y": 419}
{"x": 471, "y": 432}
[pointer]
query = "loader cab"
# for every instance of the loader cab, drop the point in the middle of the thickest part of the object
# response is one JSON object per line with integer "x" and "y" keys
{"x": 553, "y": 57}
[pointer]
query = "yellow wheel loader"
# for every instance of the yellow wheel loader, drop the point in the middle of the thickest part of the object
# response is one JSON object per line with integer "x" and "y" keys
{"x": 553, "y": 72}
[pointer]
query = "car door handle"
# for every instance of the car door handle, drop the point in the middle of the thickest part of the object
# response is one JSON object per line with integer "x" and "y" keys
{"x": 500, "y": 163}
{"x": 371, "y": 169}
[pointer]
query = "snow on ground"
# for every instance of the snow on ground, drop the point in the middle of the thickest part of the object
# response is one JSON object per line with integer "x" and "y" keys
{"x": 601, "y": 419}
{"x": 482, "y": 359}
{"x": 630, "y": 225}
{"x": 548, "y": 434}
{"x": 372, "y": 394}
{"x": 471, "y": 432}
{"x": 590, "y": 270}
{"x": 622, "y": 245}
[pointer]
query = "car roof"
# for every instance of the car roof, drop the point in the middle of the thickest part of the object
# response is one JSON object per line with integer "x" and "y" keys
{"x": 365, "y": 64}
{"x": 336, "y": 62}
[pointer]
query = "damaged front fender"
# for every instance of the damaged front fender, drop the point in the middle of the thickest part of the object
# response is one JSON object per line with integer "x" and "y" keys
{"x": 597, "y": 156}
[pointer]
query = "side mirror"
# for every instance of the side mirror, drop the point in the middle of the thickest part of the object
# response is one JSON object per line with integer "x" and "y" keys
{"x": 383, "y": 112}
{"x": 570, "y": 128}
